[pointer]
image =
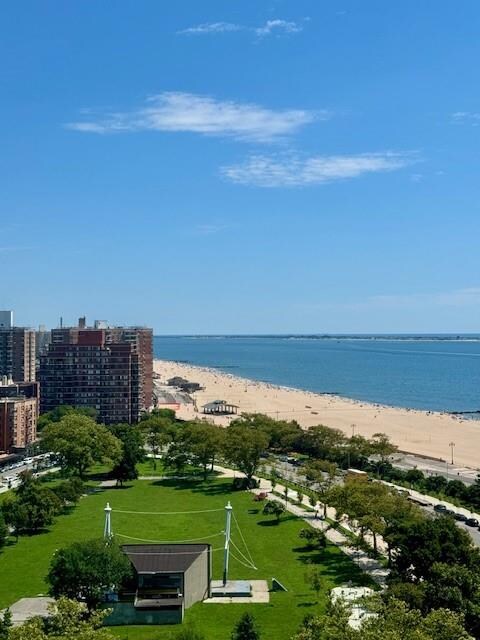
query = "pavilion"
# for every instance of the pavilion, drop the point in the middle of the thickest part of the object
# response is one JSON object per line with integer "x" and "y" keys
{"x": 220, "y": 407}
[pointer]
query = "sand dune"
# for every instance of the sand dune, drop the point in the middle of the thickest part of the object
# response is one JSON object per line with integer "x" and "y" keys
{"x": 419, "y": 432}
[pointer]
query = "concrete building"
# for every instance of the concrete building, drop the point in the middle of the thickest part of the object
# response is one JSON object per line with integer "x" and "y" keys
{"x": 18, "y": 414}
{"x": 109, "y": 369}
{"x": 42, "y": 340}
{"x": 6, "y": 319}
{"x": 167, "y": 579}
{"x": 17, "y": 349}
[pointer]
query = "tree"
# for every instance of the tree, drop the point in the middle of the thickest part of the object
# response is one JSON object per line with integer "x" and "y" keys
{"x": 158, "y": 430}
{"x": 323, "y": 442}
{"x": 414, "y": 476}
{"x": 314, "y": 579}
{"x": 274, "y": 508}
{"x": 321, "y": 474}
{"x": 3, "y": 531}
{"x": 79, "y": 442}
{"x": 204, "y": 441}
{"x": 435, "y": 484}
{"x": 382, "y": 447}
{"x": 246, "y": 628}
{"x": 32, "y": 506}
{"x": 315, "y": 538}
{"x": 68, "y": 619}
{"x": 282, "y": 435}
{"x": 332, "y": 626}
{"x": 55, "y": 415}
{"x": 133, "y": 452}
{"x": 393, "y": 620}
{"x": 69, "y": 491}
{"x": 429, "y": 541}
{"x": 5, "y": 624}
{"x": 243, "y": 448}
{"x": 86, "y": 570}
{"x": 167, "y": 414}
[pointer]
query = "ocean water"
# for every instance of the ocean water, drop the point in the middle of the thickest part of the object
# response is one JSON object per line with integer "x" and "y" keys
{"x": 438, "y": 373}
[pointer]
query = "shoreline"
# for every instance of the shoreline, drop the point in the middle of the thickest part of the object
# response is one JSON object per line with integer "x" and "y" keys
{"x": 424, "y": 433}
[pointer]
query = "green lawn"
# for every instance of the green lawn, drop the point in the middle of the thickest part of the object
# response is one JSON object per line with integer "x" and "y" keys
{"x": 276, "y": 550}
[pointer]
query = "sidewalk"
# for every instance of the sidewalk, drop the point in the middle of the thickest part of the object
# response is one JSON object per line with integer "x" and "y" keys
{"x": 368, "y": 565}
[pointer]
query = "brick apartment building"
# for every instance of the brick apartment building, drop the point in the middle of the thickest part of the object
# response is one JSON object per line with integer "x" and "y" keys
{"x": 17, "y": 349}
{"x": 18, "y": 414}
{"x": 107, "y": 368}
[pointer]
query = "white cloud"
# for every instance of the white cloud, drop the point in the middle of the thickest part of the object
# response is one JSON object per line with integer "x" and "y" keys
{"x": 270, "y": 27}
{"x": 466, "y": 117}
{"x": 278, "y": 26}
{"x": 293, "y": 171}
{"x": 176, "y": 111}
{"x": 212, "y": 27}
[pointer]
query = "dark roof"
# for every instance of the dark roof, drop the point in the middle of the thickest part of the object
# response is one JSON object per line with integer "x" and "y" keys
{"x": 220, "y": 403}
{"x": 163, "y": 558}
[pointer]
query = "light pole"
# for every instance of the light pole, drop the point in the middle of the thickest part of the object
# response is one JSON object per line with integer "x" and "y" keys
{"x": 452, "y": 447}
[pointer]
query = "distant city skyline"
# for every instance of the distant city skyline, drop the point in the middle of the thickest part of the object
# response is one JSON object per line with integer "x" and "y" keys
{"x": 250, "y": 168}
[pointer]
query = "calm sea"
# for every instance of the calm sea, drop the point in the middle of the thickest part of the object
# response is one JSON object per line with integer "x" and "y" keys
{"x": 433, "y": 373}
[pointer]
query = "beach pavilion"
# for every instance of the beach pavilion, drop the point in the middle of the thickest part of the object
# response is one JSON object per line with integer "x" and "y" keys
{"x": 220, "y": 407}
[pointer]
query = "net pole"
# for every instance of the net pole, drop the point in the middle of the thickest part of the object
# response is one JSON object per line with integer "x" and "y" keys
{"x": 228, "y": 524}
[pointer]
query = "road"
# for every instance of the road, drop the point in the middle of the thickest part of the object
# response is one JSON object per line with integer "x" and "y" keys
{"x": 14, "y": 475}
{"x": 435, "y": 467}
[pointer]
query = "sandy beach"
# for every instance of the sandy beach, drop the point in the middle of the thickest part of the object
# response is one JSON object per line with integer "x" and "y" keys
{"x": 419, "y": 432}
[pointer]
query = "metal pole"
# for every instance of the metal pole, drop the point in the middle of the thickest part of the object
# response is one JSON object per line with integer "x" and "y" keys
{"x": 107, "y": 531}
{"x": 228, "y": 513}
{"x": 452, "y": 445}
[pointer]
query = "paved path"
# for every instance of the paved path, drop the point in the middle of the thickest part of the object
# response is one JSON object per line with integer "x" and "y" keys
{"x": 372, "y": 567}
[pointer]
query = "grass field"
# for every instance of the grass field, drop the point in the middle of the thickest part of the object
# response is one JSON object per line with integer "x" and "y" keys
{"x": 276, "y": 549}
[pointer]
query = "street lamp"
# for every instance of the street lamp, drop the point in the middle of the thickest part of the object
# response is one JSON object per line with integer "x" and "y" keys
{"x": 452, "y": 446}
{"x": 353, "y": 429}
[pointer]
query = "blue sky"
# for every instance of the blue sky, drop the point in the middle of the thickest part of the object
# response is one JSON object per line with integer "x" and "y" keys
{"x": 242, "y": 167}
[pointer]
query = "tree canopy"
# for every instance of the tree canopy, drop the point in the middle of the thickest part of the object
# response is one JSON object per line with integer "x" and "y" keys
{"x": 86, "y": 570}
{"x": 79, "y": 442}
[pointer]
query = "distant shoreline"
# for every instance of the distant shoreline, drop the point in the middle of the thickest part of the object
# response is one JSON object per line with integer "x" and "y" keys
{"x": 447, "y": 337}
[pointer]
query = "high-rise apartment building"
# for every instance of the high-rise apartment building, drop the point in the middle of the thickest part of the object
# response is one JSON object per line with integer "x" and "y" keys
{"x": 17, "y": 349}
{"x": 18, "y": 414}
{"x": 109, "y": 369}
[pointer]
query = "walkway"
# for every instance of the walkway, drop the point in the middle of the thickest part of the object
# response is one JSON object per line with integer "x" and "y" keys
{"x": 372, "y": 567}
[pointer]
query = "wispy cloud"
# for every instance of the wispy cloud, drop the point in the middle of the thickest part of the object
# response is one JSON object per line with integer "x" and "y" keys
{"x": 271, "y": 27}
{"x": 294, "y": 171}
{"x": 466, "y": 117}
{"x": 210, "y": 229}
{"x": 278, "y": 26}
{"x": 211, "y": 27}
{"x": 187, "y": 112}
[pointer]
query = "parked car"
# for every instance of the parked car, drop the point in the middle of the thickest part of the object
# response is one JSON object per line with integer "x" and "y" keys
{"x": 440, "y": 508}
{"x": 471, "y": 522}
{"x": 460, "y": 517}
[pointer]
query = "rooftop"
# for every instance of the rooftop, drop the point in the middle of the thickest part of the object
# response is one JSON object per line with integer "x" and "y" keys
{"x": 163, "y": 558}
